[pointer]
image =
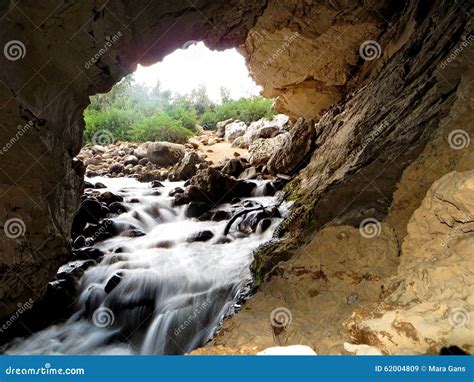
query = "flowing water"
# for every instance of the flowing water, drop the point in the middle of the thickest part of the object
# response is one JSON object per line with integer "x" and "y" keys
{"x": 168, "y": 295}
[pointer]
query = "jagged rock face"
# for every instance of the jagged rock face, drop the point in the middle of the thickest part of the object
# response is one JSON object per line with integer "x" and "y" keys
{"x": 306, "y": 53}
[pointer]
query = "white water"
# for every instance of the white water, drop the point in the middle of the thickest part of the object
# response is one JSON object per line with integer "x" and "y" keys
{"x": 169, "y": 300}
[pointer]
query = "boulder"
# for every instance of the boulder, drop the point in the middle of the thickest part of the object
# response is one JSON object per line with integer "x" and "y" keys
{"x": 234, "y": 167}
{"x": 130, "y": 159}
{"x": 165, "y": 153}
{"x": 186, "y": 168}
{"x": 116, "y": 167}
{"x": 221, "y": 127}
{"x": 261, "y": 150}
{"x": 292, "y": 155}
{"x": 140, "y": 152}
{"x": 234, "y": 130}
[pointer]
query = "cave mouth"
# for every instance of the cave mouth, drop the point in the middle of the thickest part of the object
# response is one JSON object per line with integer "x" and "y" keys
{"x": 155, "y": 268}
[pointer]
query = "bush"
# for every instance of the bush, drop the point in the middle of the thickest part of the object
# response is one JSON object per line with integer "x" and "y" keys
{"x": 244, "y": 109}
{"x": 187, "y": 118}
{"x": 160, "y": 127}
{"x": 117, "y": 122}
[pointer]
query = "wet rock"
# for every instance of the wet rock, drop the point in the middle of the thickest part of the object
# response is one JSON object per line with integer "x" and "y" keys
{"x": 234, "y": 167}
{"x": 175, "y": 191}
{"x": 249, "y": 173}
{"x": 79, "y": 242}
{"x": 130, "y": 159}
{"x": 156, "y": 184}
{"x": 117, "y": 208}
{"x": 113, "y": 282}
{"x": 251, "y": 221}
{"x": 88, "y": 184}
{"x": 200, "y": 236}
{"x": 143, "y": 162}
{"x": 165, "y": 153}
{"x": 74, "y": 269}
{"x": 88, "y": 253}
{"x": 164, "y": 244}
{"x": 221, "y": 215}
{"x": 90, "y": 211}
{"x": 99, "y": 185}
{"x": 133, "y": 233}
{"x": 196, "y": 209}
{"x": 109, "y": 197}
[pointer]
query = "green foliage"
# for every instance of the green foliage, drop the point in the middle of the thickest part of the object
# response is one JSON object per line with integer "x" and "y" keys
{"x": 160, "y": 127}
{"x": 132, "y": 112}
{"x": 244, "y": 109}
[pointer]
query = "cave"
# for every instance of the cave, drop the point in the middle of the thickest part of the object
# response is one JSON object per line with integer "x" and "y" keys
{"x": 388, "y": 86}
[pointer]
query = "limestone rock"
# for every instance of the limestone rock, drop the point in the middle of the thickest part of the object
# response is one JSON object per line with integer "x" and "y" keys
{"x": 294, "y": 154}
{"x": 234, "y": 130}
{"x": 220, "y": 126}
{"x": 165, "y": 153}
{"x": 432, "y": 303}
{"x": 186, "y": 168}
{"x": 261, "y": 150}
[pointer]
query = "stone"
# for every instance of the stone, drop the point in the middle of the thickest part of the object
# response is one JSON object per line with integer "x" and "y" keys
{"x": 249, "y": 173}
{"x": 113, "y": 282}
{"x": 296, "y": 152}
{"x": 130, "y": 159}
{"x": 220, "y": 127}
{"x": 234, "y": 130}
{"x": 140, "y": 153}
{"x": 165, "y": 153}
{"x": 186, "y": 168}
{"x": 261, "y": 150}
{"x": 116, "y": 168}
{"x": 234, "y": 167}
{"x": 200, "y": 236}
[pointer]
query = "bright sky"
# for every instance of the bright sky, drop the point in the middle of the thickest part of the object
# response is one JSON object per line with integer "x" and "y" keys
{"x": 186, "y": 69}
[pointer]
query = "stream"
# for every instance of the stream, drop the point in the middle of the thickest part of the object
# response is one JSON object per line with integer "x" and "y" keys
{"x": 159, "y": 293}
